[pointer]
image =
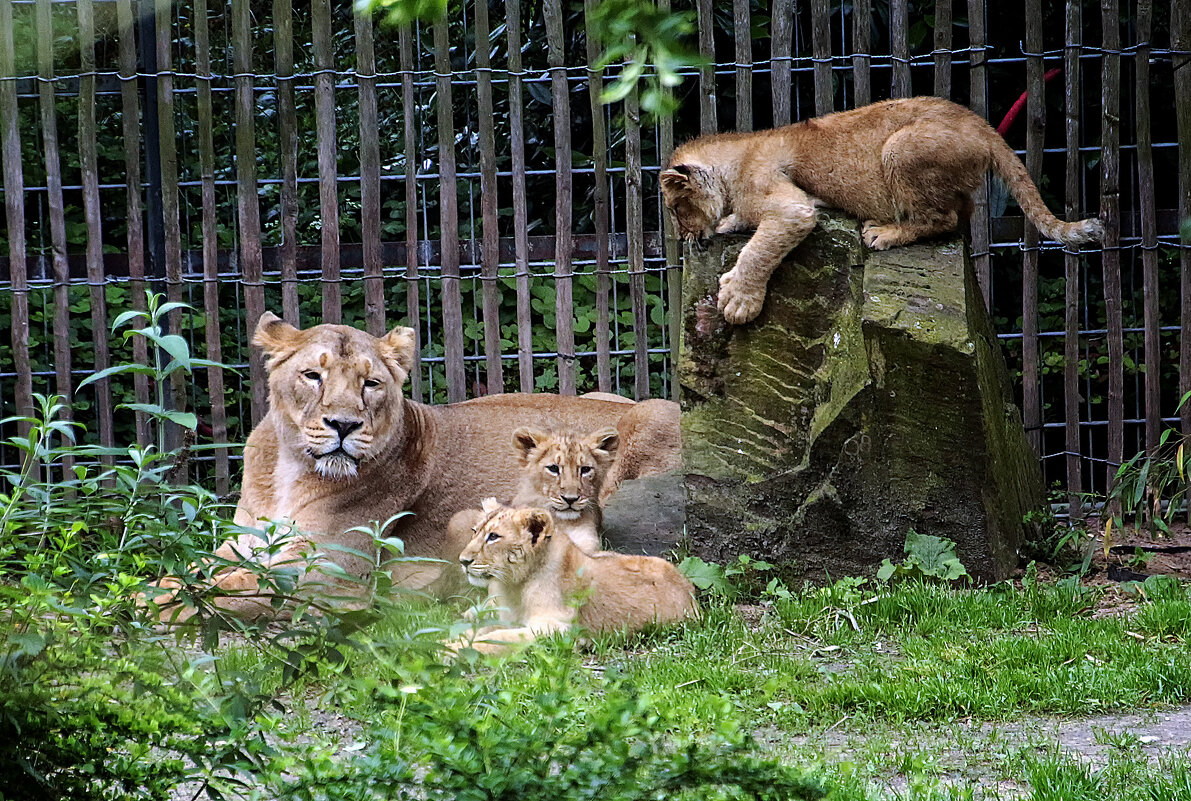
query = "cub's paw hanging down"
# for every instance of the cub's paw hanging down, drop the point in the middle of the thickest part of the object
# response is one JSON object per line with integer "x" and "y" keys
{"x": 906, "y": 167}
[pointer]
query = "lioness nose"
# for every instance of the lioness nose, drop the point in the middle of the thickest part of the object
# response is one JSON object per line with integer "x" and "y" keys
{"x": 570, "y": 499}
{"x": 342, "y": 427}
{"x": 463, "y": 560}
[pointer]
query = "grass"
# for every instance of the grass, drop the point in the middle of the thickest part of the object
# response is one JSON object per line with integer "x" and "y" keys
{"x": 918, "y": 691}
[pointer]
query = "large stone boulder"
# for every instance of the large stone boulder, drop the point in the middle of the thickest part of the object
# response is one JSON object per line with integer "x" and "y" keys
{"x": 869, "y": 398}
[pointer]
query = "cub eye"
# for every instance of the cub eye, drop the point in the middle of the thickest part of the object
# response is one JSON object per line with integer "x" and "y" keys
{"x": 492, "y": 537}
{"x": 371, "y": 383}
{"x": 312, "y": 375}
{"x": 585, "y": 470}
{"x": 552, "y": 469}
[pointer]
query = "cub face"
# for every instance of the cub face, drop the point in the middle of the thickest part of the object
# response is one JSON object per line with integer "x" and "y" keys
{"x": 507, "y": 544}
{"x": 565, "y": 470}
{"x": 336, "y": 389}
{"x": 690, "y": 194}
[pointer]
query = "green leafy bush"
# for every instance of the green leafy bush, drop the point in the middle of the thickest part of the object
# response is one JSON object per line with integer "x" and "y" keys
{"x": 927, "y": 557}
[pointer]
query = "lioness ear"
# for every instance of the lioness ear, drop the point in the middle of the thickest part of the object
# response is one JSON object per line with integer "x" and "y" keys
{"x": 275, "y": 337}
{"x": 537, "y": 522}
{"x": 604, "y": 442}
{"x": 524, "y": 442}
{"x": 400, "y": 347}
{"x": 489, "y": 505}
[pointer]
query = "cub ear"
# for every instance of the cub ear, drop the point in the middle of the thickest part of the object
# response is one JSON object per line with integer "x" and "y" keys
{"x": 275, "y": 337}
{"x": 489, "y": 505}
{"x": 538, "y": 523}
{"x": 400, "y": 348}
{"x": 525, "y": 440}
{"x": 683, "y": 178}
{"x": 604, "y": 442}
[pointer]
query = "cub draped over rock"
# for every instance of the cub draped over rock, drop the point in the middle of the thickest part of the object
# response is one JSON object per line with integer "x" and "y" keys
{"x": 340, "y": 448}
{"x": 543, "y": 583}
{"x": 906, "y": 167}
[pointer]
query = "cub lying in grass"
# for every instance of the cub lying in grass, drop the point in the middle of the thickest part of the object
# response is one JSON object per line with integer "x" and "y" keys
{"x": 543, "y": 583}
{"x": 906, "y": 167}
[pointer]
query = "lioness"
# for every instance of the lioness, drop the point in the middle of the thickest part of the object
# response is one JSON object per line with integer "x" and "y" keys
{"x": 543, "y": 582}
{"x": 340, "y": 448}
{"x": 562, "y": 472}
{"x": 906, "y": 167}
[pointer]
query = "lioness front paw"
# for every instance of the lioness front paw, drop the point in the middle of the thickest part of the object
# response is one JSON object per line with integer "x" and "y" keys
{"x": 738, "y": 302}
{"x": 880, "y": 237}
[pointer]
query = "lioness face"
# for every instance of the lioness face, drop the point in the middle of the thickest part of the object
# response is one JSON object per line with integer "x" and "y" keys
{"x": 691, "y": 196}
{"x": 338, "y": 389}
{"x": 566, "y": 470}
{"x": 507, "y": 545}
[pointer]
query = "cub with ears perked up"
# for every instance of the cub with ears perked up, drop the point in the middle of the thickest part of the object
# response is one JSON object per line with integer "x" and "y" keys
{"x": 907, "y": 168}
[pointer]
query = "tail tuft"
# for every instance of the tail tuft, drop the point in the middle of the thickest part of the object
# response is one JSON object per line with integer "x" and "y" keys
{"x": 1083, "y": 232}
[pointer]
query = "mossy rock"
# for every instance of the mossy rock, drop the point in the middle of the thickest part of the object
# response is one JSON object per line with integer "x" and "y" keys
{"x": 870, "y": 397}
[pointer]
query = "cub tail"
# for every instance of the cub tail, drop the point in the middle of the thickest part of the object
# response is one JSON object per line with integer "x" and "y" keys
{"x": 1008, "y": 166}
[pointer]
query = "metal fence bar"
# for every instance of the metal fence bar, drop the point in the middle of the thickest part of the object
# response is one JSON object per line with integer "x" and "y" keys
{"x": 1110, "y": 200}
{"x": 1072, "y": 264}
{"x": 600, "y": 211}
{"x": 564, "y": 314}
{"x": 452, "y": 303}
{"x": 374, "y": 283}
{"x": 328, "y": 169}
{"x": 53, "y": 167}
{"x": 490, "y": 247}
{"x": 287, "y": 130}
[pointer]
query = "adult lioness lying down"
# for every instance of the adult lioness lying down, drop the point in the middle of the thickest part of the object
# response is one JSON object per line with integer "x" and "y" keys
{"x": 340, "y": 447}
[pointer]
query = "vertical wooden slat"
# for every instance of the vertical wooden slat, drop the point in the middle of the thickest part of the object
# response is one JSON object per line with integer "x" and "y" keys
{"x": 247, "y": 204}
{"x": 899, "y": 37}
{"x": 862, "y": 27}
{"x": 600, "y": 221}
{"x": 1149, "y": 228}
{"x": 1180, "y": 42}
{"x": 452, "y": 303}
{"x": 490, "y": 247}
{"x": 213, "y": 330}
{"x": 90, "y": 169}
{"x": 821, "y": 46}
{"x": 564, "y": 306}
{"x": 705, "y": 19}
{"x": 53, "y": 170}
{"x": 742, "y": 28}
{"x": 328, "y": 169}
{"x": 287, "y": 122}
{"x": 168, "y": 160}
{"x": 942, "y": 54}
{"x": 1035, "y": 129}
{"x": 781, "y": 59}
{"x": 978, "y": 83}
{"x": 670, "y": 239}
{"x": 520, "y": 213}
{"x": 1071, "y": 263}
{"x": 1110, "y": 209}
{"x": 134, "y": 221}
{"x": 412, "y": 294}
{"x": 636, "y": 254}
{"x": 374, "y": 283}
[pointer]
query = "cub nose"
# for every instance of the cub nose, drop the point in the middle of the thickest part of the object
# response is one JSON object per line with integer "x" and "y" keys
{"x": 342, "y": 427}
{"x": 570, "y": 499}
{"x": 463, "y": 560}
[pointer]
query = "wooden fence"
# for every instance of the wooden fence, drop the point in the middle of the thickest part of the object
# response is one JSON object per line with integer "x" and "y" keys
{"x": 298, "y": 158}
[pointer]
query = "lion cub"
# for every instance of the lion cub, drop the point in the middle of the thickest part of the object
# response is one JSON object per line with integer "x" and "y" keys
{"x": 563, "y": 473}
{"x": 906, "y": 167}
{"x": 543, "y": 583}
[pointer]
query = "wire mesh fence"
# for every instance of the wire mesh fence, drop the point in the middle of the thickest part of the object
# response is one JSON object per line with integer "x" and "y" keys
{"x": 466, "y": 178}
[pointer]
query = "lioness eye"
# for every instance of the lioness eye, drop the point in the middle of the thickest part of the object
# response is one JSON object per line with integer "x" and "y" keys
{"x": 371, "y": 383}
{"x": 493, "y": 537}
{"x": 552, "y": 469}
{"x": 585, "y": 470}
{"x": 312, "y": 375}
